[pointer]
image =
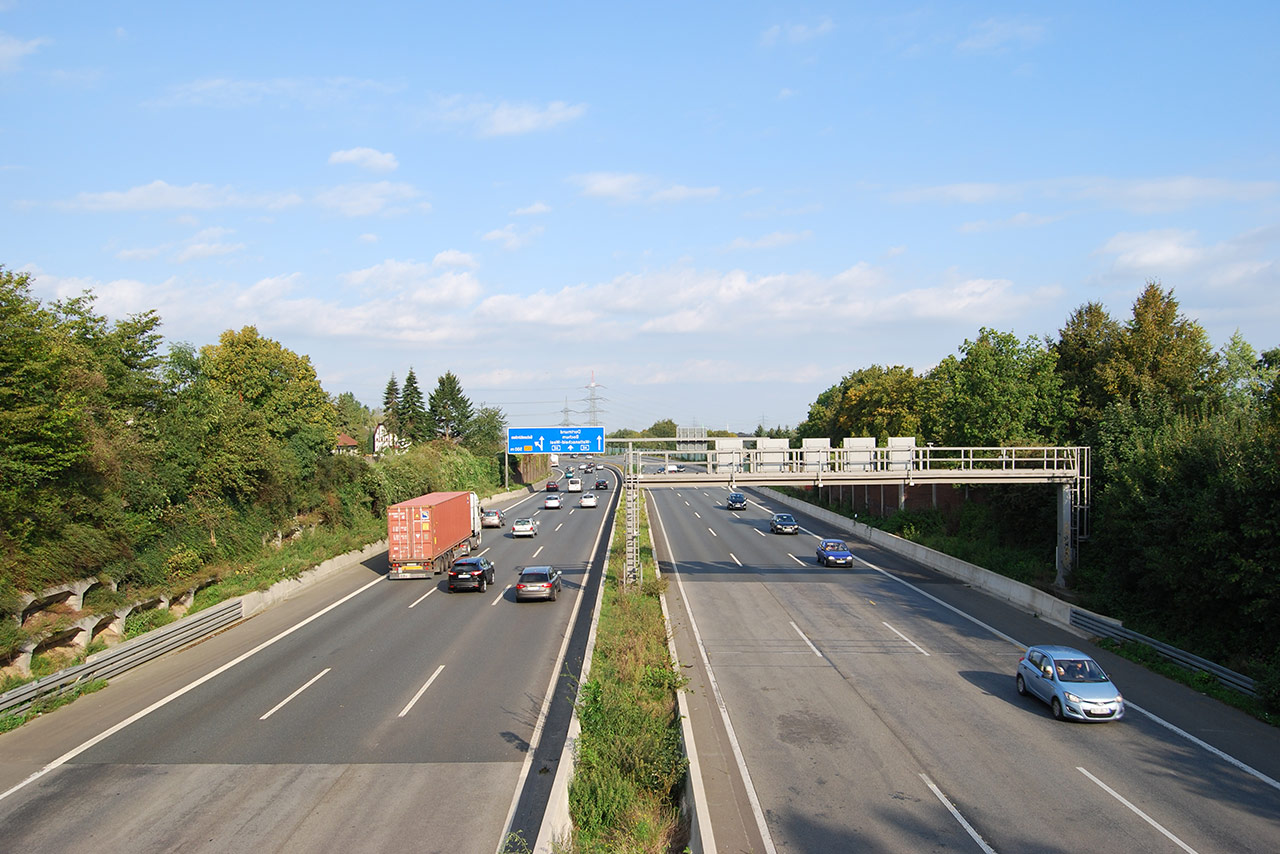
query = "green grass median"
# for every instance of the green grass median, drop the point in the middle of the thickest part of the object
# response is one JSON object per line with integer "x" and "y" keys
{"x": 625, "y": 794}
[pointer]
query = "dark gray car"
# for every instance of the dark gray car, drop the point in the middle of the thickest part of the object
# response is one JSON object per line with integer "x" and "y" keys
{"x": 784, "y": 523}
{"x": 538, "y": 582}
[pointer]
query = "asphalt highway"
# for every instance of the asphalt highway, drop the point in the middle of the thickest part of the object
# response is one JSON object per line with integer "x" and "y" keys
{"x": 873, "y": 709}
{"x": 362, "y": 715}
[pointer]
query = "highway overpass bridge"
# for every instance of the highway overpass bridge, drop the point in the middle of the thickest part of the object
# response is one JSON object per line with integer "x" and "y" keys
{"x": 761, "y": 461}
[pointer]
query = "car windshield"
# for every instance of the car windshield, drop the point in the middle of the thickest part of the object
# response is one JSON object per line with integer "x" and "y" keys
{"x": 524, "y": 521}
{"x": 785, "y": 520}
{"x": 1080, "y": 670}
{"x": 835, "y": 546}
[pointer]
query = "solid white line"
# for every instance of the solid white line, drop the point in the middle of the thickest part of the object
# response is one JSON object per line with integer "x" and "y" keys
{"x": 421, "y": 691}
{"x": 424, "y": 596}
{"x": 806, "y": 639}
{"x": 1225, "y": 757}
{"x": 754, "y": 800}
{"x": 538, "y": 552}
{"x": 735, "y": 558}
{"x": 285, "y": 701}
{"x": 796, "y": 559}
{"x": 500, "y": 596}
{"x": 481, "y": 553}
{"x": 137, "y": 716}
{"x": 949, "y": 607}
{"x": 905, "y": 638}
{"x": 982, "y": 843}
{"x": 1148, "y": 819}
{"x": 713, "y": 533}
{"x": 1231, "y": 760}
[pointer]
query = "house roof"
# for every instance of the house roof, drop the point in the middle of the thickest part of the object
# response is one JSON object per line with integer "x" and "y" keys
{"x": 345, "y": 441}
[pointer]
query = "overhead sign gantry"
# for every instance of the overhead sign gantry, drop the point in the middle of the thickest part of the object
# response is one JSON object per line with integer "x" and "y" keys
{"x": 555, "y": 440}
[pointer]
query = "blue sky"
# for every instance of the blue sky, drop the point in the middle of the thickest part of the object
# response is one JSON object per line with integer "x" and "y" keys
{"x": 720, "y": 209}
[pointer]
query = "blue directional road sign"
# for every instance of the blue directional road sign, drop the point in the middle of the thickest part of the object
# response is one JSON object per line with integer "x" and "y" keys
{"x": 555, "y": 440}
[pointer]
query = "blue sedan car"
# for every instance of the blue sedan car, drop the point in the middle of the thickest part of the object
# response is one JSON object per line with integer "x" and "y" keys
{"x": 1073, "y": 684}
{"x": 834, "y": 553}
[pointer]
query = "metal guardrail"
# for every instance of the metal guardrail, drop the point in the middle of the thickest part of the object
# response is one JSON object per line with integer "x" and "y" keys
{"x": 118, "y": 659}
{"x": 1115, "y": 631}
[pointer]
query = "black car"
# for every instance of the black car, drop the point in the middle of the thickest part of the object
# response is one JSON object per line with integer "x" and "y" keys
{"x": 784, "y": 523}
{"x": 736, "y": 501}
{"x": 471, "y": 573}
{"x": 602, "y": 484}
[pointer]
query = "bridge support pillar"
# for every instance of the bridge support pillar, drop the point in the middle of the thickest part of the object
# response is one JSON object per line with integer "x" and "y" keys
{"x": 1066, "y": 554}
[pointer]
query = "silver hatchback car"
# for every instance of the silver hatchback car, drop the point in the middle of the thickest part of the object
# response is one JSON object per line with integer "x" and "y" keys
{"x": 1073, "y": 684}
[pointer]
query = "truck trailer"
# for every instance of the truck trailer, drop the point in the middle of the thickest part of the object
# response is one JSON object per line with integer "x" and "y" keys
{"x": 426, "y": 534}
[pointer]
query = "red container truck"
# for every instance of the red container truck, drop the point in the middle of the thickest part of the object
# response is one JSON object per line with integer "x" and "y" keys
{"x": 426, "y": 534}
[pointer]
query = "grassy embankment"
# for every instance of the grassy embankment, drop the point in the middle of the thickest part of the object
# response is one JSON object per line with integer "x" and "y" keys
{"x": 631, "y": 767}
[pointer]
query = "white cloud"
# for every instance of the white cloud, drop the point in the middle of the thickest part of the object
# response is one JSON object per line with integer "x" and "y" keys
{"x": 418, "y": 283}
{"x": 197, "y": 251}
{"x": 512, "y": 239}
{"x": 772, "y": 241}
{"x": 610, "y": 185}
{"x": 680, "y": 193}
{"x": 368, "y": 237}
{"x": 531, "y": 210}
{"x": 367, "y": 199}
{"x": 140, "y": 254}
{"x": 1158, "y": 195}
{"x": 159, "y": 195}
{"x": 310, "y": 92}
{"x": 1150, "y": 195}
{"x": 453, "y": 258}
{"x": 995, "y": 34}
{"x": 12, "y": 50}
{"x": 1152, "y": 254}
{"x": 1018, "y": 220}
{"x": 962, "y": 193}
{"x": 631, "y": 187}
{"x": 796, "y": 33}
{"x": 366, "y": 158}
{"x": 507, "y": 119}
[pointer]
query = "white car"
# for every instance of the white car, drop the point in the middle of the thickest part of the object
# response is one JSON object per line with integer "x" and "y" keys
{"x": 552, "y": 502}
{"x": 575, "y": 484}
{"x": 588, "y": 499}
{"x": 524, "y": 527}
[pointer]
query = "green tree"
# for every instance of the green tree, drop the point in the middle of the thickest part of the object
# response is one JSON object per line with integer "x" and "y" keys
{"x": 875, "y": 401}
{"x": 270, "y": 379}
{"x": 662, "y": 429}
{"x": 1002, "y": 392}
{"x": 391, "y": 407}
{"x": 411, "y": 413}
{"x": 1089, "y": 340}
{"x": 487, "y": 433}
{"x": 1245, "y": 377}
{"x": 449, "y": 410}
{"x": 1161, "y": 353}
